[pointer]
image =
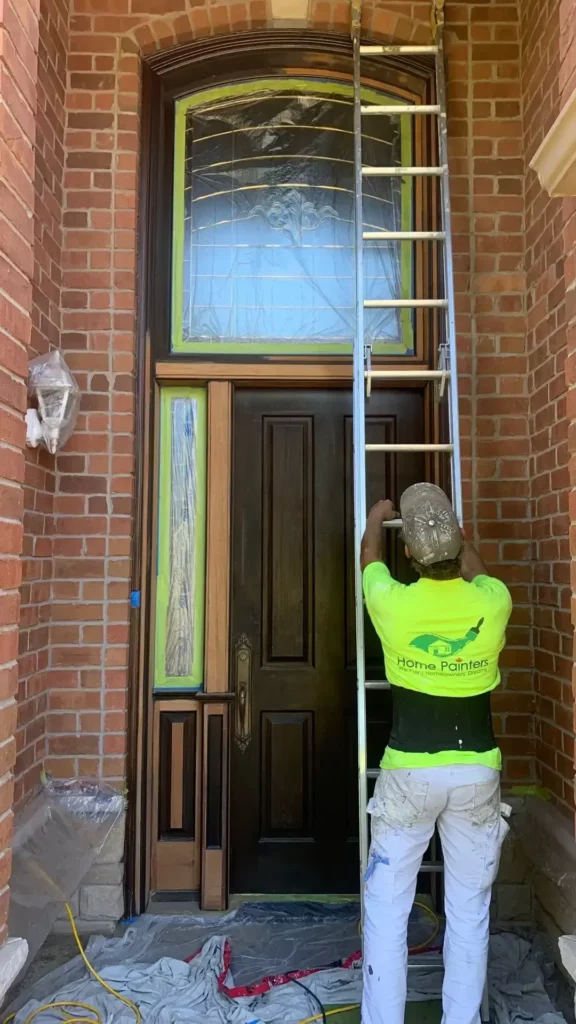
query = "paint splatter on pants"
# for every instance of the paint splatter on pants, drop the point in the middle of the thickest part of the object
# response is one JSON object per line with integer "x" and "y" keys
{"x": 464, "y": 802}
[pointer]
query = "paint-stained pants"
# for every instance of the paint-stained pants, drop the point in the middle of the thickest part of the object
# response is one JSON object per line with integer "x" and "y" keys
{"x": 464, "y": 801}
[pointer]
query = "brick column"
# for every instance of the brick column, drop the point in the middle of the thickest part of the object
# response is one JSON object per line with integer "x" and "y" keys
{"x": 485, "y": 133}
{"x": 18, "y": 77}
{"x": 548, "y": 295}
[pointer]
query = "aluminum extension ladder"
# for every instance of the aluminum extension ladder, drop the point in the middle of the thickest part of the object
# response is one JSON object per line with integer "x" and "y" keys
{"x": 442, "y": 373}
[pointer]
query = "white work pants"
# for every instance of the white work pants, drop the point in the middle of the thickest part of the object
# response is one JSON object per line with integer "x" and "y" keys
{"x": 464, "y": 801}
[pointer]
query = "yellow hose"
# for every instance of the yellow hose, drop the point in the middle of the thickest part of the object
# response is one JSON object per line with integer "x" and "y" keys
{"x": 330, "y": 1013}
{"x": 66, "y": 1006}
{"x": 423, "y": 945}
{"x": 73, "y": 1019}
{"x": 94, "y": 973}
{"x": 430, "y": 939}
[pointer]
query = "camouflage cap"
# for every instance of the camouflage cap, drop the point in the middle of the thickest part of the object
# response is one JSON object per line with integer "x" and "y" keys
{"x": 430, "y": 526}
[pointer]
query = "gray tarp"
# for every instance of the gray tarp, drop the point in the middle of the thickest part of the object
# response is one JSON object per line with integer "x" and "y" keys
{"x": 147, "y": 965}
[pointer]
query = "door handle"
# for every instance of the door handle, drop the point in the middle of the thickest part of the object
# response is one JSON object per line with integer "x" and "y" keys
{"x": 243, "y": 689}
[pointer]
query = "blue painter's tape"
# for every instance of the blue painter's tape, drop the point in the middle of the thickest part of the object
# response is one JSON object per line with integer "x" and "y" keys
{"x": 135, "y": 599}
{"x": 374, "y": 860}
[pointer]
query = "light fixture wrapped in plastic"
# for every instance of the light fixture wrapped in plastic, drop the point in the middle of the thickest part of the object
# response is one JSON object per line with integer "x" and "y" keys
{"x": 53, "y": 388}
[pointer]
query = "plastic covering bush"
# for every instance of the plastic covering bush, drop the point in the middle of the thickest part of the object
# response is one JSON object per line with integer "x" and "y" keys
{"x": 53, "y": 388}
{"x": 265, "y": 253}
{"x": 57, "y": 837}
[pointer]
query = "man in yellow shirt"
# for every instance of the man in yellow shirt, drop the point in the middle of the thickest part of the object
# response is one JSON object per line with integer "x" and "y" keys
{"x": 441, "y": 638}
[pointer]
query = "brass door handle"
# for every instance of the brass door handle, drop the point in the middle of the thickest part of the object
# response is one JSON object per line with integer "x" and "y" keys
{"x": 243, "y": 689}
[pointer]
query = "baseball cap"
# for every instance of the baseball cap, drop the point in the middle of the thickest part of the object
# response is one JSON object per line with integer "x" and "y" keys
{"x": 430, "y": 526}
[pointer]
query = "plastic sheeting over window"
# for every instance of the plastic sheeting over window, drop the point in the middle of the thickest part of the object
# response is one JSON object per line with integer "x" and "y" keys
{"x": 181, "y": 540}
{"x": 264, "y": 220}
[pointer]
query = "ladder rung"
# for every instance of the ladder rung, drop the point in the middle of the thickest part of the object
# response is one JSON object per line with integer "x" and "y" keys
{"x": 408, "y": 447}
{"x": 407, "y": 374}
{"x": 404, "y": 108}
{"x": 367, "y": 50}
{"x": 401, "y": 172}
{"x": 408, "y": 236}
{"x": 405, "y": 303}
{"x": 377, "y": 684}
{"x": 432, "y": 961}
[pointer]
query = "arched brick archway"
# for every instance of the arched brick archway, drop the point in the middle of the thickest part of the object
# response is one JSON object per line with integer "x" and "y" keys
{"x": 102, "y": 144}
{"x": 153, "y": 29}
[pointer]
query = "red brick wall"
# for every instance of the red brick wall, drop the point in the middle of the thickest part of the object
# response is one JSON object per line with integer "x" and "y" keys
{"x": 18, "y": 73}
{"x": 546, "y": 345}
{"x": 567, "y": 75}
{"x": 40, "y": 475}
{"x": 485, "y": 127}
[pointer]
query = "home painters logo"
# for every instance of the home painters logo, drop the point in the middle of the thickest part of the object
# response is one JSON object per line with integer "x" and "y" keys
{"x": 441, "y": 646}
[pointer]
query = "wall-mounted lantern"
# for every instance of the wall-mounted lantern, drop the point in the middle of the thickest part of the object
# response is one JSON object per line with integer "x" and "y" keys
{"x": 55, "y": 398}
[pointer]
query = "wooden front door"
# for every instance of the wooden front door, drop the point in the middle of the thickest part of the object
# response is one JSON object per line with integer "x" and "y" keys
{"x": 293, "y": 764}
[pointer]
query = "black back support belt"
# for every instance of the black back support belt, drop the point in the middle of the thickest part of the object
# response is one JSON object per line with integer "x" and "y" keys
{"x": 425, "y": 724}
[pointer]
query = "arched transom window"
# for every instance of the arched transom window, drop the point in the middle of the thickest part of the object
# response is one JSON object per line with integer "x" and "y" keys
{"x": 263, "y": 248}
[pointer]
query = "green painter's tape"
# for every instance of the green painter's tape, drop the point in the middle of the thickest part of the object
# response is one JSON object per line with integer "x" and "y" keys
{"x": 539, "y": 792}
{"x": 263, "y": 348}
{"x": 195, "y": 680}
{"x": 178, "y": 230}
{"x": 241, "y": 90}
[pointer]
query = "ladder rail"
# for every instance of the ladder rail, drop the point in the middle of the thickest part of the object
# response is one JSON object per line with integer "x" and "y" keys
{"x": 359, "y": 441}
{"x": 447, "y": 368}
{"x": 362, "y": 372}
{"x": 448, "y": 259}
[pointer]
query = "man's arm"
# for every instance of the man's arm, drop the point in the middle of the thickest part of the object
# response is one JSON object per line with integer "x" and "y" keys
{"x": 371, "y": 549}
{"x": 471, "y": 564}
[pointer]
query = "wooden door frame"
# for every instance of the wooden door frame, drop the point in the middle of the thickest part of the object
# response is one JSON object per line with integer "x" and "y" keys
{"x": 207, "y": 855}
{"x": 166, "y": 76}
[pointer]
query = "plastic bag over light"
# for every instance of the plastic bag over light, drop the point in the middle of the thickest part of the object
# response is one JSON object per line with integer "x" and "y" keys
{"x": 53, "y": 388}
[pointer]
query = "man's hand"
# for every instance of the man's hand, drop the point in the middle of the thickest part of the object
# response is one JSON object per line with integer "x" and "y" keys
{"x": 383, "y": 512}
{"x": 471, "y": 564}
{"x": 371, "y": 550}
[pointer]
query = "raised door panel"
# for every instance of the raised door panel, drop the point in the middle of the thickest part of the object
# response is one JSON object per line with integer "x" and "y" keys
{"x": 287, "y": 540}
{"x": 176, "y": 796}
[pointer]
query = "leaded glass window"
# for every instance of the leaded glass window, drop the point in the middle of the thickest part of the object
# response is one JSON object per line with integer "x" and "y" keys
{"x": 264, "y": 220}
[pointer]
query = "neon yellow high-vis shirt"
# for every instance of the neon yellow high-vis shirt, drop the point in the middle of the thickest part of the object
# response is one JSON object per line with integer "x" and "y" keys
{"x": 441, "y": 638}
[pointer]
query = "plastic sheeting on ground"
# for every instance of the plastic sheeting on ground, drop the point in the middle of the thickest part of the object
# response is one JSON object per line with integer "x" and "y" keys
{"x": 517, "y": 982}
{"x": 266, "y": 939}
{"x": 148, "y": 965}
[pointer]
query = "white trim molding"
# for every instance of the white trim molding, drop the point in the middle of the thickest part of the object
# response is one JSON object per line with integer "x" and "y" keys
{"x": 555, "y": 160}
